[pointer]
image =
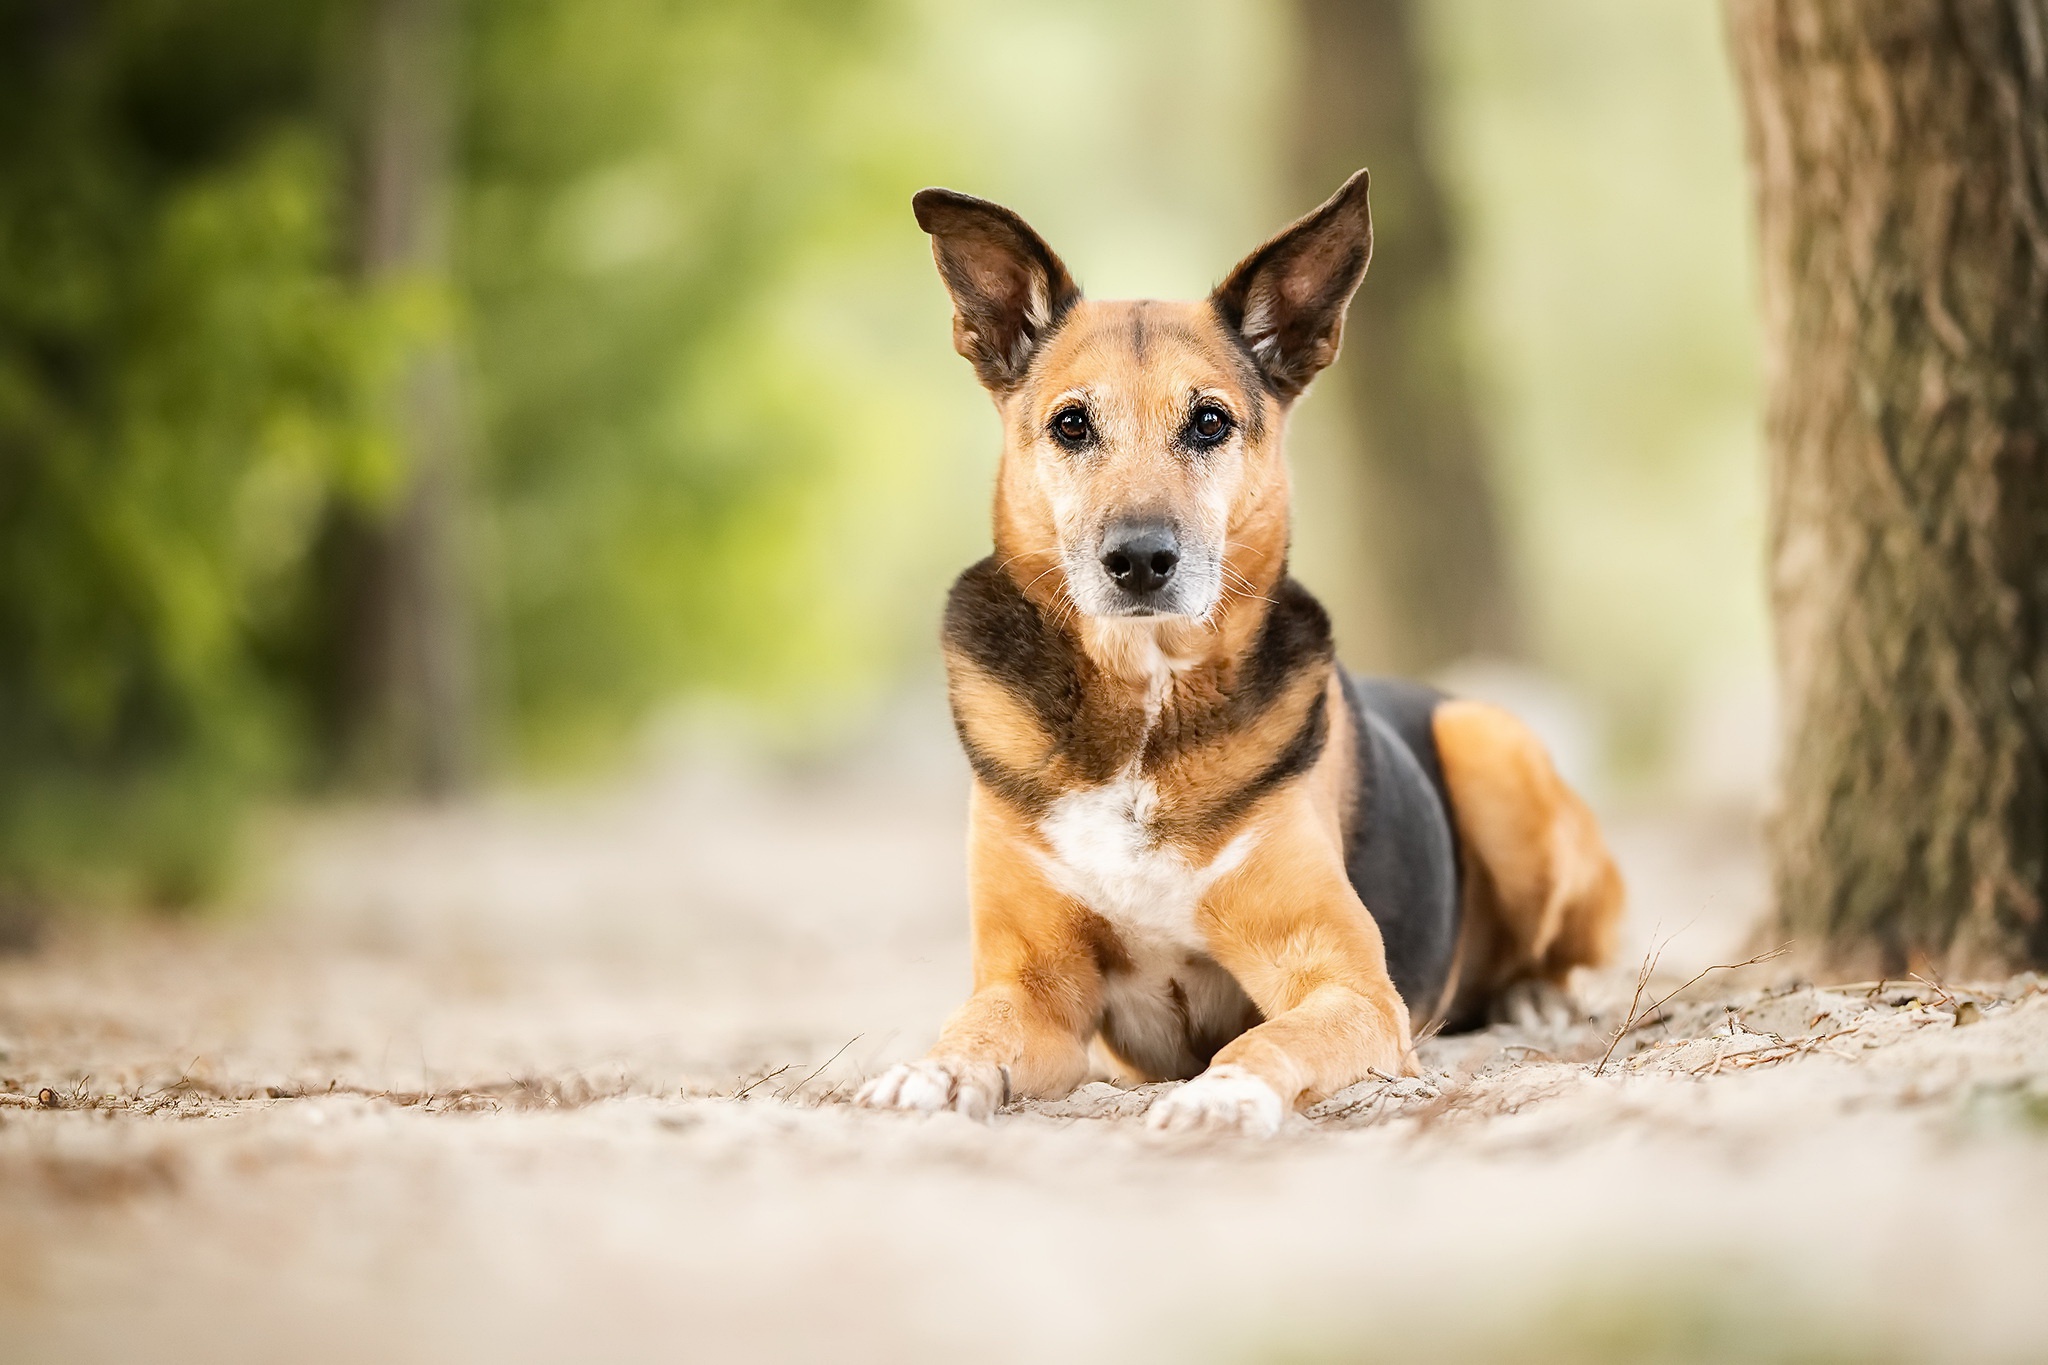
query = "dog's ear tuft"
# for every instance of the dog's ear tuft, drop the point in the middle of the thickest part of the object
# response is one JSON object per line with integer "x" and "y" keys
{"x": 1009, "y": 289}
{"x": 1287, "y": 299}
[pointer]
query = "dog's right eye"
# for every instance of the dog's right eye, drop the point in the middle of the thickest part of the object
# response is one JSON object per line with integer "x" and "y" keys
{"x": 1072, "y": 428}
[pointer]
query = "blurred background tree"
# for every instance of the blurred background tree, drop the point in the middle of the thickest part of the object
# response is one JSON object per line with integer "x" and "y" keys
{"x": 403, "y": 705}
{"x": 1901, "y": 170}
{"x": 396, "y": 392}
{"x": 650, "y": 191}
{"x": 1435, "y": 565}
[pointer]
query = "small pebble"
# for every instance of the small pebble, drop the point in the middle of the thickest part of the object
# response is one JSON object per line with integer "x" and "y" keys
{"x": 1967, "y": 1012}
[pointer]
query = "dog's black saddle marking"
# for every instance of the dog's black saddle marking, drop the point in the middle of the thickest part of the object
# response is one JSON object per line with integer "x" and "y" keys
{"x": 1401, "y": 850}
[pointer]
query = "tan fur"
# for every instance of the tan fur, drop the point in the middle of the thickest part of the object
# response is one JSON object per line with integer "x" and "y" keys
{"x": 1037, "y": 975}
{"x": 1542, "y": 893}
{"x": 1041, "y": 492}
{"x": 1287, "y": 925}
{"x": 1292, "y": 931}
{"x": 1004, "y": 725}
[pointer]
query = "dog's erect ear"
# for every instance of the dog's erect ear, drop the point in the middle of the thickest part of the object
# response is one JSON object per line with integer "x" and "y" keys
{"x": 1009, "y": 290}
{"x": 1287, "y": 299}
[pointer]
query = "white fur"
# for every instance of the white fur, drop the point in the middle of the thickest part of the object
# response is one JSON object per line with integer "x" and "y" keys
{"x": 1223, "y": 1099}
{"x": 1259, "y": 327}
{"x": 1536, "y": 1006}
{"x": 1104, "y": 854}
{"x": 1102, "y": 848}
{"x": 1198, "y": 581}
{"x": 1131, "y": 646}
{"x": 935, "y": 1084}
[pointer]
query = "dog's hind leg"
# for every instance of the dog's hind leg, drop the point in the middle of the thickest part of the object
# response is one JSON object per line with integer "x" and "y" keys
{"x": 1542, "y": 893}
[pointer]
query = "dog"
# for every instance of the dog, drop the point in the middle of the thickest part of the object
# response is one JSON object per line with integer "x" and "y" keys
{"x": 1198, "y": 849}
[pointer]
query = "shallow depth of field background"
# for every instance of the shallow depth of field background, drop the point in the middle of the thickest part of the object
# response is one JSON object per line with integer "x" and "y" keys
{"x": 721, "y": 460}
{"x": 306, "y": 1056}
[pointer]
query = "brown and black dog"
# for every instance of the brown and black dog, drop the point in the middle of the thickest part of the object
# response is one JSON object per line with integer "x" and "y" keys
{"x": 1196, "y": 845}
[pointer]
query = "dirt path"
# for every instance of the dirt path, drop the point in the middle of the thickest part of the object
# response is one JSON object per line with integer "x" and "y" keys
{"x": 564, "y": 1080}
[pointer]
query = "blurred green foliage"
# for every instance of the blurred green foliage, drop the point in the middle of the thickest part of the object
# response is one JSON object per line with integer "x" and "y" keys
{"x": 719, "y": 446}
{"x": 185, "y": 379}
{"x": 195, "y": 384}
{"x": 641, "y": 183}
{"x": 1693, "y": 1315}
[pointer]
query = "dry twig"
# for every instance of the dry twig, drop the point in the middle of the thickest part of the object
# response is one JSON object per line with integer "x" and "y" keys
{"x": 1941, "y": 992}
{"x": 1767, "y": 1056}
{"x": 1635, "y": 1020}
{"x": 785, "y": 1094}
{"x": 744, "y": 1090}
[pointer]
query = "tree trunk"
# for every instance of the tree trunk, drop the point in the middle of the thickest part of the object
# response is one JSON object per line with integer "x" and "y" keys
{"x": 1429, "y": 523}
{"x": 1900, "y": 159}
{"x": 411, "y": 713}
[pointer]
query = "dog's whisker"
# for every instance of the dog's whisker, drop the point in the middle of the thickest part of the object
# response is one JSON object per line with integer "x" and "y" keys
{"x": 1028, "y": 554}
{"x": 1243, "y": 585}
{"x": 1036, "y": 581}
{"x": 1069, "y": 610}
{"x": 1238, "y": 582}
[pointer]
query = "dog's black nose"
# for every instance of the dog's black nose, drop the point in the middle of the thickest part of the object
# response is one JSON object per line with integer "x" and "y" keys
{"x": 1140, "y": 557}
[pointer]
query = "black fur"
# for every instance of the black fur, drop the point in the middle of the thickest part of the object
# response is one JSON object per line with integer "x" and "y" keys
{"x": 994, "y": 628}
{"x": 1297, "y": 758}
{"x": 1401, "y": 849}
{"x": 1299, "y": 283}
{"x": 993, "y": 265}
{"x": 1296, "y": 635}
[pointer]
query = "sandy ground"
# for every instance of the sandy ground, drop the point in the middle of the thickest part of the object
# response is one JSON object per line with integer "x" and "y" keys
{"x": 566, "y": 1079}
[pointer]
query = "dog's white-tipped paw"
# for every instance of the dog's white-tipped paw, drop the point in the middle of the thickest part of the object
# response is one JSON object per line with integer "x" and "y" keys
{"x": 975, "y": 1089}
{"x": 1538, "y": 1006}
{"x": 1223, "y": 1099}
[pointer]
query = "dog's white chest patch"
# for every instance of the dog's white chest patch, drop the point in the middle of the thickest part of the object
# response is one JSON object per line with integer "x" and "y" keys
{"x": 1103, "y": 853}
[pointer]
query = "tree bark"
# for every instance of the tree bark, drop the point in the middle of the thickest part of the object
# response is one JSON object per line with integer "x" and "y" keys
{"x": 1429, "y": 523}
{"x": 1900, "y": 162}
{"x": 410, "y": 713}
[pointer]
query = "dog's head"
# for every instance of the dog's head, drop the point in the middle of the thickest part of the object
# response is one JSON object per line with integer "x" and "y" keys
{"x": 1142, "y": 468}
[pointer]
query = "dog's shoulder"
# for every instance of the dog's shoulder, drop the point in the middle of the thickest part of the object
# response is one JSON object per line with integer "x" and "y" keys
{"x": 1019, "y": 697}
{"x": 993, "y": 629}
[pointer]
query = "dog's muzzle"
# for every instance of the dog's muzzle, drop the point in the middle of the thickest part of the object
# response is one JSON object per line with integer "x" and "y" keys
{"x": 1141, "y": 569}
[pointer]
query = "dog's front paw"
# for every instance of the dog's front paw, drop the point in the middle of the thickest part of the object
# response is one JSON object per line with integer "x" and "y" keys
{"x": 976, "y": 1089}
{"x": 1223, "y": 1099}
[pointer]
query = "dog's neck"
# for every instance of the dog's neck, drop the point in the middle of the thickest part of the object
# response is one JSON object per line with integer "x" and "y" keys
{"x": 1148, "y": 651}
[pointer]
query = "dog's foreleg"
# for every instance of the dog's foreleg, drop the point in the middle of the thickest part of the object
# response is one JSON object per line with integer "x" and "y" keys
{"x": 1037, "y": 994}
{"x": 1289, "y": 927}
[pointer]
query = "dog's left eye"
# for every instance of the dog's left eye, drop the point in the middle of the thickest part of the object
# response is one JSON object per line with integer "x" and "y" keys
{"x": 1209, "y": 425}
